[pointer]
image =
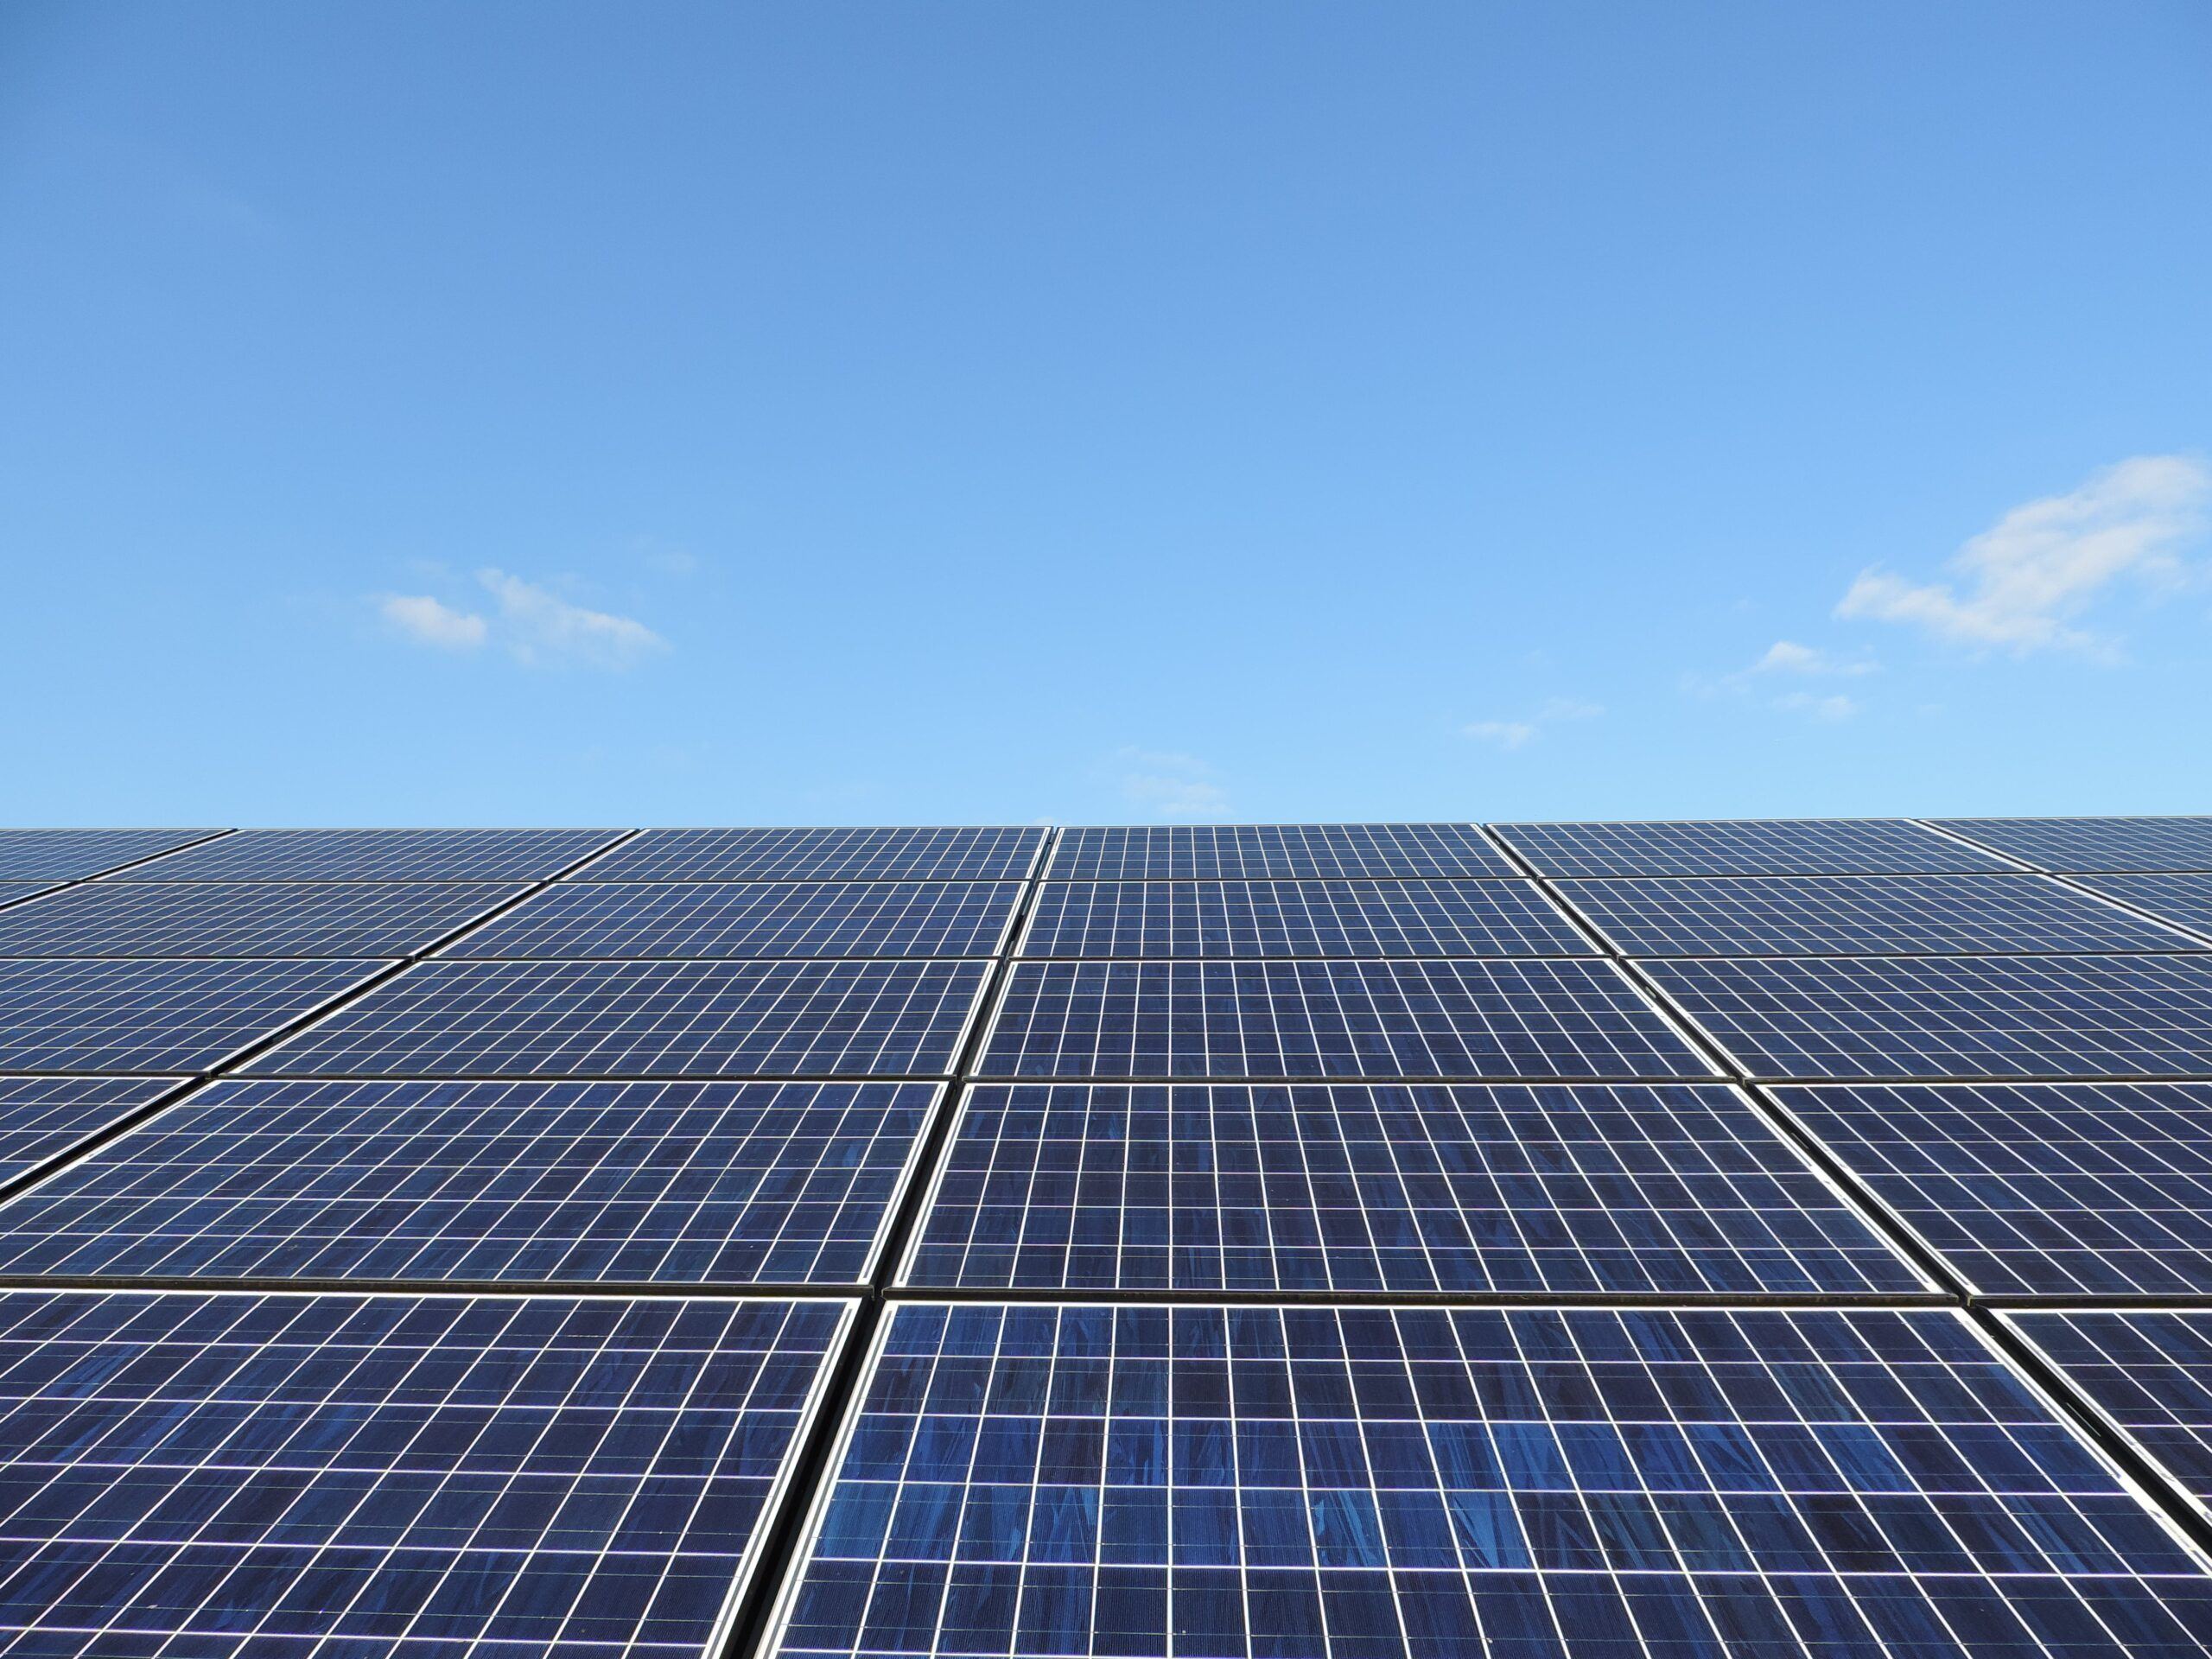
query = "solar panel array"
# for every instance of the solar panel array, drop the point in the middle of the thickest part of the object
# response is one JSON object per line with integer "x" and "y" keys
{"x": 1341, "y": 1241}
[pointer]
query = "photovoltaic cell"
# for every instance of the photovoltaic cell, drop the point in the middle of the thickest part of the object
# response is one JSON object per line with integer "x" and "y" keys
{"x": 272, "y": 1477}
{"x": 10, "y": 892}
{"x": 843, "y": 854}
{"x": 156, "y": 1016}
{"x": 1859, "y": 915}
{"x": 246, "y": 918}
{"x": 44, "y": 855}
{"x": 665, "y": 1183}
{"x": 2185, "y": 900}
{"x": 2092, "y": 845}
{"x": 725, "y": 920}
{"x": 1316, "y": 1483}
{"x": 1299, "y": 919}
{"x": 2149, "y": 1372}
{"x": 1261, "y": 1020}
{"x": 1260, "y": 852}
{"x": 379, "y": 856}
{"x": 42, "y": 1117}
{"x": 1504, "y": 1189}
{"x": 646, "y": 1020}
{"x": 1744, "y": 847}
{"x": 2036, "y": 1188}
{"x": 1969, "y": 1018}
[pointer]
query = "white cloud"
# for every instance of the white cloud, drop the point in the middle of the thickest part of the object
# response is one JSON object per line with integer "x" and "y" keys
{"x": 2020, "y": 581}
{"x": 1518, "y": 733}
{"x": 1828, "y": 708}
{"x": 1171, "y": 785}
{"x": 1788, "y": 656}
{"x": 538, "y": 625}
{"x": 426, "y": 621}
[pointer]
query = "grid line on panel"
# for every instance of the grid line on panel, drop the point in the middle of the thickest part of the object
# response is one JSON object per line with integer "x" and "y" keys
{"x": 238, "y": 919}
{"x": 2088, "y": 846}
{"x": 279, "y": 1474}
{"x": 535, "y": 855}
{"x": 1313, "y": 919}
{"x": 757, "y": 1185}
{"x": 1260, "y": 851}
{"x": 835, "y": 853}
{"x": 65, "y": 857}
{"x": 1490, "y": 1192}
{"x": 1959, "y": 1018}
{"x": 1743, "y": 846}
{"x": 1299, "y": 1483}
{"x": 2182, "y": 899}
{"x": 1863, "y": 915}
{"x": 730, "y": 921}
{"x": 1539, "y": 1019}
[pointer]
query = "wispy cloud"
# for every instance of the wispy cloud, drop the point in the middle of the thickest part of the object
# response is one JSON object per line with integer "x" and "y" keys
{"x": 1832, "y": 706}
{"x": 530, "y": 622}
{"x": 1788, "y": 656}
{"x": 2020, "y": 583}
{"x": 538, "y": 625}
{"x": 428, "y": 622}
{"x": 1519, "y": 733}
{"x": 1170, "y": 785}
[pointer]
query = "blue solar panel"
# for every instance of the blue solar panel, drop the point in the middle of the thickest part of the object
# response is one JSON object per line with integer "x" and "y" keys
{"x": 379, "y": 856}
{"x": 158, "y": 1015}
{"x": 1933, "y": 1017}
{"x": 637, "y": 1183}
{"x": 871, "y": 853}
{"x": 1744, "y": 847}
{"x": 43, "y": 1117}
{"x": 16, "y": 892}
{"x": 1670, "y": 1189}
{"x": 1299, "y": 919}
{"x": 1267, "y": 1020}
{"x": 46, "y": 855}
{"x": 646, "y": 1020}
{"x": 1314, "y": 1484}
{"x": 2184, "y": 901}
{"x": 1859, "y": 915}
{"x": 2150, "y": 1373}
{"x": 1262, "y": 852}
{"x": 246, "y": 918}
{"x": 2088, "y": 844}
{"x": 2061, "y": 1189}
{"x": 727, "y": 920}
{"x": 278, "y": 1477}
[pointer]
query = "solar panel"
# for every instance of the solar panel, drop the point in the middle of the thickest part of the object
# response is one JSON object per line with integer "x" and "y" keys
{"x": 1317, "y": 1483}
{"x": 2149, "y": 1372}
{"x": 1261, "y": 1020}
{"x": 1905, "y": 1018}
{"x": 841, "y": 854}
{"x": 1744, "y": 847}
{"x": 1299, "y": 919}
{"x": 12, "y": 892}
{"x": 727, "y": 920}
{"x": 45, "y": 855}
{"x": 2091, "y": 844}
{"x": 42, "y": 1117}
{"x": 1493, "y": 1189}
{"x": 1859, "y": 915}
{"x": 271, "y": 1476}
{"x": 246, "y": 918}
{"x": 646, "y": 1020}
{"x": 2184, "y": 901}
{"x": 2037, "y": 1189}
{"x": 154, "y": 1015}
{"x": 635, "y": 1183}
{"x": 1260, "y": 852}
{"x": 379, "y": 856}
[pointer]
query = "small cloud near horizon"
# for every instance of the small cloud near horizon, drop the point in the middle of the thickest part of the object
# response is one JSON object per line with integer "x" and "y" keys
{"x": 1169, "y": 785}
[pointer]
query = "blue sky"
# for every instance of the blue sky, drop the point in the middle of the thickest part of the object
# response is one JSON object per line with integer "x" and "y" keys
{"x": 795, "y": 413}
